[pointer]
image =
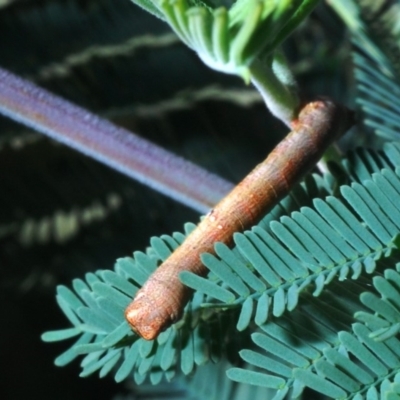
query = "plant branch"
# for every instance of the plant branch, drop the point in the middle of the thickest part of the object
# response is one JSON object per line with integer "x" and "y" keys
{"x": 116, "y": 147}
{"x": 276, "y": 87}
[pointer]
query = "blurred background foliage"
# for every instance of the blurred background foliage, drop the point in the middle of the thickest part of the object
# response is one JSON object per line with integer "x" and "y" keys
{"x": 62, "y": 214}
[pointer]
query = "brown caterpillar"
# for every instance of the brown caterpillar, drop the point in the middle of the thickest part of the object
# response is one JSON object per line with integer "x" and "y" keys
{"x": 161, "y": 300}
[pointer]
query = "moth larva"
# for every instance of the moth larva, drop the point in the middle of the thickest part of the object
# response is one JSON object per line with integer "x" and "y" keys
{"x": 161, "y": 300}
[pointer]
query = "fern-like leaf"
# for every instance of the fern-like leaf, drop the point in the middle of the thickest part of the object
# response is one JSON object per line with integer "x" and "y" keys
{"x": 311, "y": 349}
{"x": 262, "y": 277}
{"x": 95, "y": 307}
{"x": 334, "y": 239}
{"x": 384, "y": 315}
{"x": 376, "y": 38}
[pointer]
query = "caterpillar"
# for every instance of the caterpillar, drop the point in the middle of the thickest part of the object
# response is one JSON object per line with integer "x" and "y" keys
{"x": 161, "y": 300}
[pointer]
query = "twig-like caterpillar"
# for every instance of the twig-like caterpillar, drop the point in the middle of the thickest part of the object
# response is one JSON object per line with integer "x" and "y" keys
{"x": 161, "y": 300}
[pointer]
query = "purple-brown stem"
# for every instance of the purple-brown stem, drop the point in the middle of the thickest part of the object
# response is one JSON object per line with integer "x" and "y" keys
{"x": 116, "y": 147}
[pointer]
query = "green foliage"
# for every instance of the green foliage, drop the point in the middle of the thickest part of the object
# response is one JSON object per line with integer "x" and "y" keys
{"x": 377, "y": 42}
{"x": 309, "y": 298}
{"x": 228, "y": 39}
{"x": 384, "y": 321}
{"x": 338, "y": 357}
{"x": 382, "y": 18}
{"x": 243, "y": 39}
{"x": 95, "y": 308}
{"x": 372, "y": 368}
{"x": 277, "y": 268}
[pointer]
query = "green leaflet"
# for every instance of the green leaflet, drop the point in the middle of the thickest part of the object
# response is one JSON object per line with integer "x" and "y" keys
{"x": 255, "y": 378}
{"x": 150, "y": 6}
{"x": 207, "y": 287}
{"x": 56, "y": 336}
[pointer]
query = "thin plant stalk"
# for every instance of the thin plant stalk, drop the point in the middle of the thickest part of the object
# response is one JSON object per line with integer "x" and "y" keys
{"x": 280, "y": 96}
{"x": 114, "y": 146}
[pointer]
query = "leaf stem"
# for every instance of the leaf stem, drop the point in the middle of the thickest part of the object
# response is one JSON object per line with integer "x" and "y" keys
{"x": 116, "y": 147}
{"x": 276, "y": 86}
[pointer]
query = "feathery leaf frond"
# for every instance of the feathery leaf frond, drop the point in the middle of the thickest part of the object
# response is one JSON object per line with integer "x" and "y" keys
{"x": 96, "y": 306}
{"x": 376, "y": 37}
{"x": 266, "y": 271}
{"x": 321, "y": 347}
{"x": 270, "y": 271}
{"x": 384, "y": 315}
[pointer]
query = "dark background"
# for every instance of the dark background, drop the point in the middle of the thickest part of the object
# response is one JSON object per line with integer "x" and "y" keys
{"x": 162, "y": 92}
